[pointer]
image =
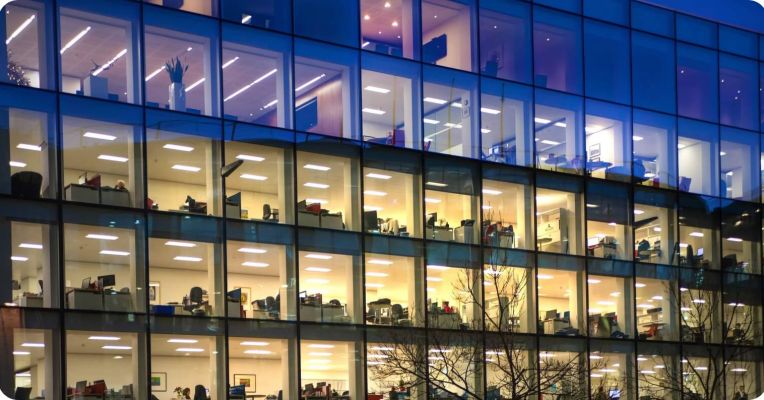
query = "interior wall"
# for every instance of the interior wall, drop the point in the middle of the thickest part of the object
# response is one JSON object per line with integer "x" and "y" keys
{"x": 458, "y": 41}
{"x": 268, "y": 376}
{"x": 92, "y": 367}
{"x": 330, "y": 106}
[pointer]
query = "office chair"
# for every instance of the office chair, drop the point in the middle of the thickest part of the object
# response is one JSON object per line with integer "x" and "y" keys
{"x": 26, "y": 184}
{"x": 200, "y": 393}
{"x": 22, "y": 393}
{"x": 194, "y": 299}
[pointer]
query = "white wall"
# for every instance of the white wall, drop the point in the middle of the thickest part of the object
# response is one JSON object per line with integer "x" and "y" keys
{"x": 92, "y": 367}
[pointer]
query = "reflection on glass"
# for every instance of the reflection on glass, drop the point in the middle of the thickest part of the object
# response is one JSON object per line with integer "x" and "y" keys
{"x": 505, "y": 40}
{"x": 505, "y": 123}
{"x": 454, "y": 297}
{"x": 449, "y": 113}
{"x": 698, "y": 158}
{"x": 25, "y": 41}
{"x": 557, "y": 122}
{"x": 389, "y": 110}
{"x": 205, "y": 7}
{"x": 557, "y": 51}
{"x": 739, "y": 165}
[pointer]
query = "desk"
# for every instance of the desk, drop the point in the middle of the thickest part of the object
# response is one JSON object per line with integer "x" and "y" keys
{"x": 322, "y": 313}
{"x": 29, "y": 300}
{"x": 551, "y": 326}
{"x": 444, "y": 321}
{"x": 85, "y": 299}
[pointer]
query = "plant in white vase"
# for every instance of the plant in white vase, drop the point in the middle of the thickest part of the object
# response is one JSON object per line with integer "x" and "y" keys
{"x": 176, "y": 70}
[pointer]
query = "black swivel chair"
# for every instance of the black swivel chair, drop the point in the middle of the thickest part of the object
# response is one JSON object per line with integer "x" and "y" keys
{"x": 200, "y": 393}
{"x": 194, "y": 299}
{"x": 22, "y": 393}
{"x": 26, "y": 184}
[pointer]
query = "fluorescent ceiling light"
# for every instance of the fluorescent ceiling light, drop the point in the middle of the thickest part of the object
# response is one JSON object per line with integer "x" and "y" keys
{"x": 316, "y": 167}
{"x": 430, "y": 121}
{"x": 489, "y": 111}
{"x": 115, "y": 347}
{"x": 189, "y": 350}
{"x": 316, "y": 185}
{"x": 637, "y": 138}
{"x": 253, "y": 177}
{"x": 318, "y": 269}
{"x": 376, "y": 274}
{"x": 376, "y": 89}
{"x": 254, "y": 343}
{"x": 696, "y": 234}
{"x": 434, "y": 100}
{"x": 310, "y": 82}
{"x": 249, "y": 85}
{"x": 374, "y": 285}
{"x": 187, "y": 258}
{"x": 35, "y": 246}
{"x": 17, "y": 164}
{"x": 640, "y": 285}
{"x": 434, "y": 279}
{"x": 155, "y": 73}
{"x": 319, "y": 256}
{"x": 561, "y": 124}
{"x": 26, "y": 146}
{"x": 178, "y": 147}
{"x": 377, "y": 261}
{"x": 314, "y": 200}
{"x": 258, "y": 352}
{"x": 246, "y": 18}
{"x": 175, "y": 243}
{"x": 105, "y": 338}
{"x": 437, "y": 267}
{"x": 19, "y": 258}
{"x": 195, "y": 84}
{"x": 365, "y": 44}
{"x": 317, "y": 281}
{"x": 544, "y": 277}
{"x": 247, "y": 157}
{"x": 108, "y": 157}
{"x": 483, "y": 130}
{"x": 372, "y": 208}
{"x": 109, "y": 63}
{"x": 436, "y": 184}
{"x": 540, "y": 120}
{"x": 186, "y": 341}
{"x": 734, "y": 239}
{"x": 431, "y": 200}
{"x": 114, "y": 253}
{"x": 378, "y": 176}
{"x": 638, "y": 211}
{"x": 35, "y": 345}
{"x": 722, "y": 153}
{"x": 492, "y": 192}
{"x": 100, "y": 136}
{"x": 188, "y": 168}
{"x": 374, "y": 193}
{"x": 593, "y": 281}
{"x": 456, "y": 105}
{"x": 374, "y": 111}
{"x": 99, "y": 236}
{"x": 452, "y": 125}
{"x": 273, "y": 102}
{"x": 20, "y": 29}
{"x": 229, "y": 62}
{"x": 75, "y": 39}
{"x": 254, "y": 264}
{"x": 593, "y": 128}
{"x": 550, "y": 142}
{"x": 251, "y": 250}
{"x": 21, "y": 353}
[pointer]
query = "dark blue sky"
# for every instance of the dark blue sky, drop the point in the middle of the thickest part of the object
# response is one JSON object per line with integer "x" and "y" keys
{"x": 742, "y": 13}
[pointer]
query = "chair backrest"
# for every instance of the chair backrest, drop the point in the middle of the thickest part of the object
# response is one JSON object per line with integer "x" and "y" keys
{"x": 196, "y": 294}
{"x": 26, "y": 184}
{"x": 200, "y": 393}
{"x": 22, "y": 393}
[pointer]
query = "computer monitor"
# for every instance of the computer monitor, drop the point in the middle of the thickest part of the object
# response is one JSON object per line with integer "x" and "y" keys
{"x": 614, "y": 394}
{"x": 235, "y": 199}
{"x": 551, "y": 314}
{"x": 432, "y": 219}
{"x": 370, "y": 220}
{"x": 700, "y": 252}
{"x": 105, "y": 281}
{"x": 85, "y": 283}
{"x": 303, "y": 294}
{"x": 235, "y": 295}
{"x": 80, "y": 386}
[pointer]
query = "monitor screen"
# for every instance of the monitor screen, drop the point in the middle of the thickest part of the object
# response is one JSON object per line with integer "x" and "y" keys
{"x": 700, "y": 251}
{"x": 107, "y": 281}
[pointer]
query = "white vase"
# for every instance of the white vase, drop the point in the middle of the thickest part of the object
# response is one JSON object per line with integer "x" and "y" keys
{"x": 177, "y": 96}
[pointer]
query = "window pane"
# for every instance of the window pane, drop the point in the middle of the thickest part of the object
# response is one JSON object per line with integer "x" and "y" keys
{"x": 653, "y": 72}
{"x": 740, "y": 171}
{"x": 185, "y": 42}
{"x": 256, "y": 77}
{"x": 654, "y": 227}
{"x": 611, "y": 370}
{"x": 505, "y": 122}
{"x": 557, "y": 51}
{"x": 659, "y": 370}
{"x": 31, "y": 358}
{"x": 318, "y": 19}
{"x": 28, "y": 40}
{"x": 698, "y": 159}
{"x": 448, "y": 34}
{"x": 507, "y": 208}
{"x": 558, "y": 127}
{"x": 205, "y": 7}
{"x": 390, "y": 107}
{"x": 505, "y": 40}
{"x": 193, "y": 362}
{"x": 394, "y": 288}
{"x": 608, "y": 224}
{"x": 698, "y": 231}
{"x": 616, "y": 11}
{"x": 607, "y": 62}
{"x": 93, "y": 31}
{"x": 696, "y": 30}
{"x": 657, "y": 314}
{"x": 389, "y": 27}
{"x": 450, "y": 112}
{"x": 451, "y": 201}
{"x": 342, "y": 358}
{"x": 268, "y": 14}
{"x": 654, "y": 158}
{"x": 610, "y": 306}
{"x": 739, "y": 101}
{"x": 742, "y": 308}
{"x": 559, "y": 216}
{"x": 116, "y": 357}
{"x": 697, "y": 86}
{"x": 608, "y": 128}
{"x": 562, "y": 316}
{"x": 652, "y": 19}
{"x": 326, "y": 80}
{"x": 741, "y": 236}
{"x": 700, "y": 302}
{"x": 261, "y": 364}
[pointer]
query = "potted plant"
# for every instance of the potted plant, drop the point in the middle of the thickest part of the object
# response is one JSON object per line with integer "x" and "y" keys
{"x": 175, "y": 71}
{"x": 94, "y": 85}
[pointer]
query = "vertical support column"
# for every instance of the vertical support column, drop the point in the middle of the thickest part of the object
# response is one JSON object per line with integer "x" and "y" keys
{"x": 5, "y": 148}
{"x": 576, "y": 301}
{"x": 355, "y": 290}
{"x": 530, "y": 320}
{"x": 289, "y": 369}
{"x": 355, "y": 371}
{"x": 52, "y": 379}
{"x": 283, "y": 92}
{"x": 134, "y": 171}
{"x": 288, "y": 280}
{"x": 218, "y": 376}
{"x": 51, "y": 274}
{"x": 213, "y": 178}
{"x": 410, "y": 110}
{"x": 132, "y": 68}
{"x": 215, "y": 279}
{"x": 211, "y": 77}
{"x": 139, "y": 363}
{"x": 4, "y": 48}
{"x": 137, "y": 268}
{"x": 6, "y": 273}
{"x": 408, "y": 28}
{"x": 524, "y": 230}
{"x": 416, "y": 293}
{"x": 9, "y": 320}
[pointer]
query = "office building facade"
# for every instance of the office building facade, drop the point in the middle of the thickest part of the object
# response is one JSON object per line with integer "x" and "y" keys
{"x": 369, "y": 199}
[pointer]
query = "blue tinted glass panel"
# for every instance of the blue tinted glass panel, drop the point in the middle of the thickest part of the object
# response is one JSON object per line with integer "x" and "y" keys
{"x": 652, "y": 19}
{"x": 739, "y": 165}
{"x": 654, "y": 145}
{"x": 738, "y": 41}
{"x": 607, "y": 62}
{"x": 653, "y": 76}
{"x": 505, "y": 117}
{"x": 557, "y": 50}
{"x": 738, "y": 99}
{"x": 448, "y": 33}
{"x": 318, "y": 19}
{"x": 608, "y": 140}
{"x": 761, "y": 97}
{"x": 696, "y": 31}
{"x": 505, "y": 40}
{"x": 698, "y": 157}
{"x": 697, "y": 79}
{"x": 616, "y": 11}
{"x": 558, "y": 127}
{"x": 568, "y": 5}
{"x": 268, "y": 14}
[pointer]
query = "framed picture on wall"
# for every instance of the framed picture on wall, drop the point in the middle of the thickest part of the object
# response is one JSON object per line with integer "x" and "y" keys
{"x": 158, "y": 381}
{"x": 246, "y": 297}
{"x": 154, "y": 293}
{"x": 248, "y": 380}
